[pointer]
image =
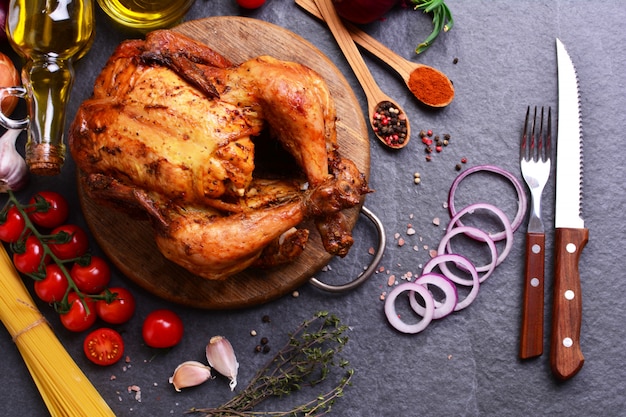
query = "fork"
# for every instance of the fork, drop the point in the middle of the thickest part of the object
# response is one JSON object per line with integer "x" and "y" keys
{"x": 535, "y": 153}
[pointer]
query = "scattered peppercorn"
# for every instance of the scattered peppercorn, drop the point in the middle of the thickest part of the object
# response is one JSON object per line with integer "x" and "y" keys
{"x": 265, "y": 319}
{"x": 458, "y": 167}
{"x": 258, "y": 348}
{"x": 455, "y": 61}
{"x": 266, "y": 349}
{"x": 264, "y": 340}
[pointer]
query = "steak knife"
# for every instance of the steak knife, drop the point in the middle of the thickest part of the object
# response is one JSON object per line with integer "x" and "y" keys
{"x": 571, "y": 236}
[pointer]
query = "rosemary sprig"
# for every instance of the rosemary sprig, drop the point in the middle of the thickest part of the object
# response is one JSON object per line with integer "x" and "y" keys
{"x": 442, "y": 20}
{"x": 306, "y": 360}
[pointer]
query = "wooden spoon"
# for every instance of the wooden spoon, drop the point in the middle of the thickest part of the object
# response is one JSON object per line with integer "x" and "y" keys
{"x": 388, "y": 120}
{"x": 430, "y": 86}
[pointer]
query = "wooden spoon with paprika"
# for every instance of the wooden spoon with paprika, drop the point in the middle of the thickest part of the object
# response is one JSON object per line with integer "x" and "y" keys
{"x": 429, "y": 85}
{"x": 388, "y": 120}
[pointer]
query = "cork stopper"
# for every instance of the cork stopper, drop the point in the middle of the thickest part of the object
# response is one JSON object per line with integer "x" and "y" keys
{"x": 45, "y": 159}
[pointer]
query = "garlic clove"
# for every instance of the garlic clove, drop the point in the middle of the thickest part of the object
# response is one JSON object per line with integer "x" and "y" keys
{"x": 189, "y": 374}
{"x": 14, "y": 172}
{"x": 221, "y": 356}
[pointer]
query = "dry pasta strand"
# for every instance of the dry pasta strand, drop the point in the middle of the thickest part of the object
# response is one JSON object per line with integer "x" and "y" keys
{"x": 64, "y": 388}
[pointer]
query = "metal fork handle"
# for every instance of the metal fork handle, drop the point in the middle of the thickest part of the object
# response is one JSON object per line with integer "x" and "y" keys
{"x": 531, "y": 340}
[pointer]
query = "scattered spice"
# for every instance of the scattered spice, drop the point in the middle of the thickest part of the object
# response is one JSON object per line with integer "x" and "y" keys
{"x": 390, "y": 124}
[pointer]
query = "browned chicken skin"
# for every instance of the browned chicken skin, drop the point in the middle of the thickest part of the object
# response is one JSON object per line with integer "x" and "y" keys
{"x": 170, "y": 132}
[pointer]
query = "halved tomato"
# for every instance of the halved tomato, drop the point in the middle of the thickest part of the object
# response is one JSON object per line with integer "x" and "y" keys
{"x": 104, "y": 346}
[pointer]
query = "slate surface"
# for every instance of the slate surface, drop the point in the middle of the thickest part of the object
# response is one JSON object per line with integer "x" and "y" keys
{"x": 466, "y": 364}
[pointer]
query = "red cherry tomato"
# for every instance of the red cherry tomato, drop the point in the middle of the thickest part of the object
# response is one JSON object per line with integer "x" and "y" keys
{"x": 104, "y": 346}
{"x": 30, "y": 260}
{"x": 55, "y": 214}
{"x": 92, "y": 278}
{"x": 119, "y": 310}
{"x": 162, "y": 329}
{"x": 54, "y": 286}
{"x": 250, "y": 4}
{"x": 12, "y": 226}
{"x": 77, "y": 319}
{"x": 77, "y": 243}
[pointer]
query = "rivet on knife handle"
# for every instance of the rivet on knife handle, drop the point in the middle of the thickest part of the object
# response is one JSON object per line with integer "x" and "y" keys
{"x": 531, "y": 339}
{"x": 566, "y": 357}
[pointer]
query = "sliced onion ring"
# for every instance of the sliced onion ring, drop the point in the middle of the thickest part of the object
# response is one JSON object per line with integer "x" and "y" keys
{"x": 508, "y": 230}
{"x": 445, "y": 285}
{"x": 521, "y": 195}
{"x": 392, "y": 315}
{"x": 483, "y": 237}
{"x": 459, "y": 261}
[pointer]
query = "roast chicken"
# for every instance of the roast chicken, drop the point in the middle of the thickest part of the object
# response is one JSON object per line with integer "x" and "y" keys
{"x": 174, "y": 131}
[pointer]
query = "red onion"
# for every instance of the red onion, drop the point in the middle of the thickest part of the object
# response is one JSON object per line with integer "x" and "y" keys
{"x": 392, "y": 315}
{"x": 445, "y": 285}
{"x": 521, "y": 195}
{"x": 466, "y": 265}
{"x": 4, "y": 6}
{"x": 363, "y": 11}
{"x": 508, "y": 230}
{"x": 483, "y": 237}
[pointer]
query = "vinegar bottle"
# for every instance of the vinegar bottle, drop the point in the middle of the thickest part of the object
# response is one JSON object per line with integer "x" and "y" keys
{"x": 50, "y": 35}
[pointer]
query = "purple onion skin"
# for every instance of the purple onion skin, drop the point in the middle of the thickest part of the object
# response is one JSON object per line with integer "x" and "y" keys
{"x": 363, "y": 11}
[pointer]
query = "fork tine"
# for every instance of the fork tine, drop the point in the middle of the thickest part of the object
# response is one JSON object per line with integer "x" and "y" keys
{"x": 540, "y": 155}
{"x": 533, "y": 144}
{"x": 548, "y": 145}
{"x": 523, "y": 152}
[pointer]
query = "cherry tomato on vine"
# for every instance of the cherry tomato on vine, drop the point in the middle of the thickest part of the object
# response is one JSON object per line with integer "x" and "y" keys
{"x": 77, "y": 319}
{"x": 57, "y": 211}
{"x": 92, "y": 278}
{"x": 75, "y": 247}
{"x": 119, "y": 310}
{"x": 162, "y": 329}
{"x": 250, "y": 4}
{"x": 12, "y": 227}
{"x": 30, "y": 260}
{"x": 54, "y": 286}
{"x": 104, "y": 346}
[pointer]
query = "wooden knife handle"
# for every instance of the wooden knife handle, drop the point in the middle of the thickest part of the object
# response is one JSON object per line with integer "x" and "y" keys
{"x": 531, "y": 338}
{"x": 566, "y": 357}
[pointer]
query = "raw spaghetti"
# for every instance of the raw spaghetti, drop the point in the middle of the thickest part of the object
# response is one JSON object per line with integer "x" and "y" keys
{"x": 63, "y": 386}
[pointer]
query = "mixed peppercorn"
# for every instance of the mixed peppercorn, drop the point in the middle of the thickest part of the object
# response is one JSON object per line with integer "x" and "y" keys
{"x": 390, "y": 124}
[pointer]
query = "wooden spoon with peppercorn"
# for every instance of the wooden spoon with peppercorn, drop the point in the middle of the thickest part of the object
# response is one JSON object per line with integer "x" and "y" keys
{"x": 429, "y": 85}
{"x": 388, "y": 120}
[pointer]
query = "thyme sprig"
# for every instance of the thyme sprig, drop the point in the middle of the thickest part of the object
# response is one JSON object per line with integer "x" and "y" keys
{"x": 306, "y": 359}
{"x": 442, "y": 20}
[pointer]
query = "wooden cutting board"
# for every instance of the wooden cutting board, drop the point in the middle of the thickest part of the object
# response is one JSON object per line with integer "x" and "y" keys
{"x": 130, "y": 243}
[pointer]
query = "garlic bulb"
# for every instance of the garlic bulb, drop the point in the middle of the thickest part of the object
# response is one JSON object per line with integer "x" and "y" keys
{"x": 13, "y": 168}
{"x": 221, "y": 356}
{"x": 190, "y": 374}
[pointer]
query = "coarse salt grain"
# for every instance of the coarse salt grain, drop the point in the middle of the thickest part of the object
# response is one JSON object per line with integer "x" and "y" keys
{"x": 410, "y": 231}
{"x": 436, "y": 221}
{"x": 391, "y": 280}
{"x": 400, "y": 242}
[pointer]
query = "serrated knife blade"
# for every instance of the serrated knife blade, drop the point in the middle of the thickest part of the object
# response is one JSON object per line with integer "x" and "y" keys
{"x": 571, "y": 236}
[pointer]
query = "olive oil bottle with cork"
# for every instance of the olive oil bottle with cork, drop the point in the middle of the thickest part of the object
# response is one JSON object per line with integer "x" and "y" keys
{"x": 50, "y": 35}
